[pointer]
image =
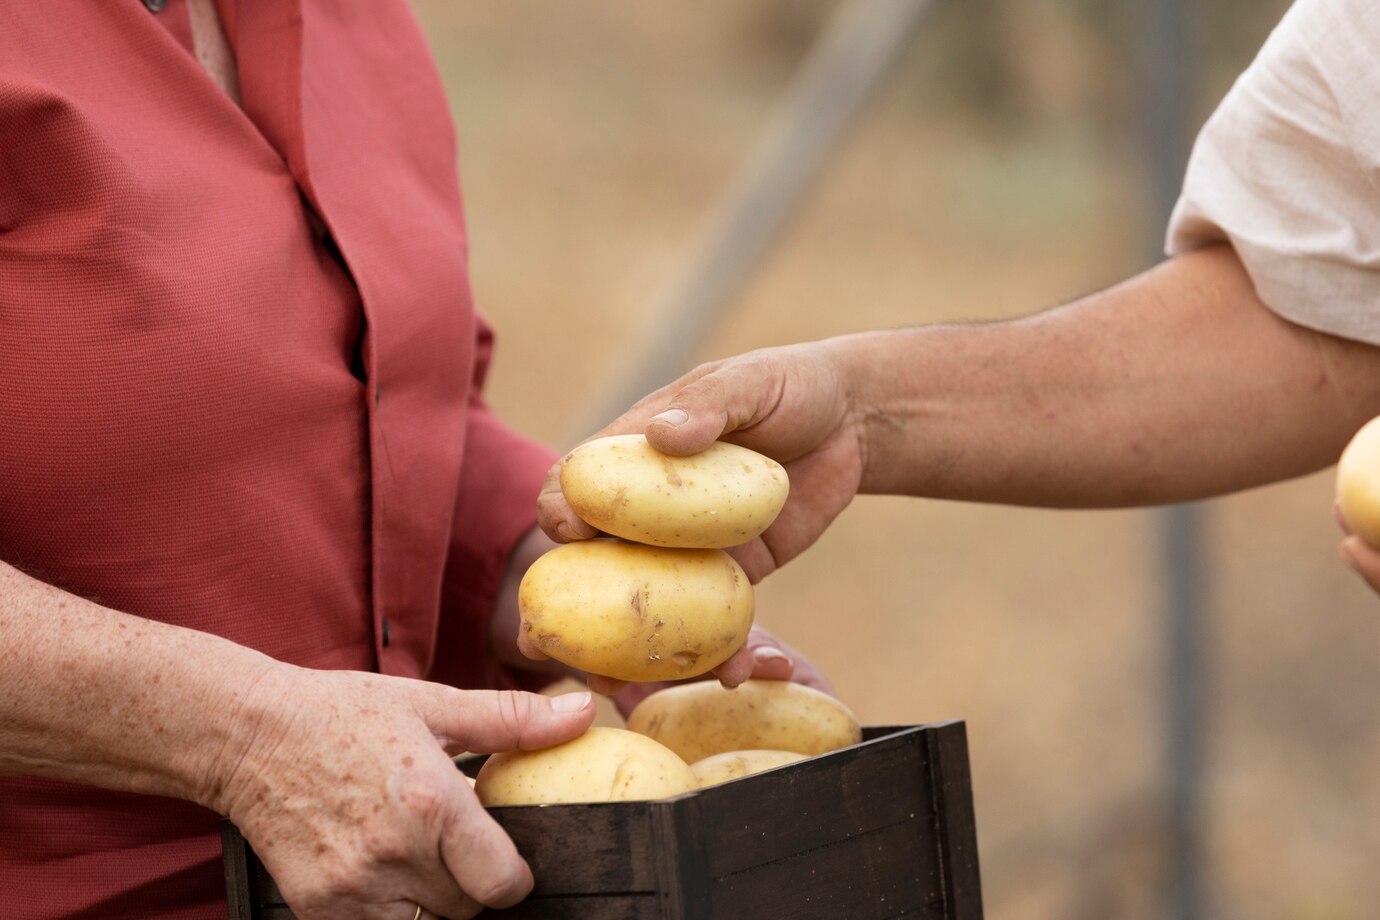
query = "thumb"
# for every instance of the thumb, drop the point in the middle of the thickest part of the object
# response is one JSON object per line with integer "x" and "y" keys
{"x": 701, "y": 412}
{"x": 485, "y": 721}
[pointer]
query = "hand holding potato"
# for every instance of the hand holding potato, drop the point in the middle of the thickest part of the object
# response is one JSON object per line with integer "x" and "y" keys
{"x": 722, "y": 496}
{"x": 633, "y": 612}
{"x": 791, "y": 404}
{"x": 347, "y": 793}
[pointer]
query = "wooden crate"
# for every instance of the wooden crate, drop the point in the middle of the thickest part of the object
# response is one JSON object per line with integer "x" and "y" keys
{"x": 882, "y": 829}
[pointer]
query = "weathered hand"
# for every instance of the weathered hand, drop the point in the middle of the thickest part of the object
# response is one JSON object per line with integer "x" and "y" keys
{"x": 790, "y": 403}
{"x": 347, "y": 791}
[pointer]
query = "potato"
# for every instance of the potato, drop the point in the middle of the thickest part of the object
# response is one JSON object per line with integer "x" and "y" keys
{"x": 1358, "y": 482}
{"x": 602, "y": 765}
{"x": 700, "y": 719}
{"x": 636, "y": 612}
{"x": 720, "y": 768}
{"x": 723, "y": 496}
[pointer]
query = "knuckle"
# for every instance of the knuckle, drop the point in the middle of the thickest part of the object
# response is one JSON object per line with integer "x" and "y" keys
{"x": 514, "y": 711}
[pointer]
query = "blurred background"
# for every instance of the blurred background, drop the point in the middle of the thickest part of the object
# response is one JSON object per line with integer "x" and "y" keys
{"x": 1000, "y": 167}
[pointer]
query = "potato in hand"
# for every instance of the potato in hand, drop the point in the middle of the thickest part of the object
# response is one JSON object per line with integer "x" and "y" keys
{"x": 723, "y": 496}
{"x": 636, "y": 613}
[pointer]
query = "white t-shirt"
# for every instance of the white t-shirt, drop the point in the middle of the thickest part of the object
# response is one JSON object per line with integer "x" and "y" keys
{"x": 1288, "y": 170}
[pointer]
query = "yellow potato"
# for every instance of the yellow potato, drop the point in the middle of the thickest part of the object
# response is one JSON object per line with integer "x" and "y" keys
{"x": 602, "y": 765}
{"x": 723, "y": 496}
{"x": 1358, "y": 482}
{"x": 636, "y": 612}
{"x": 700, "y": 719}
{"x": 720, "y": 768}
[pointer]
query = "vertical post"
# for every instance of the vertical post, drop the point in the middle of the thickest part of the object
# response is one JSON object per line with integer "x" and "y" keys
{"x": 1165, "y": 79}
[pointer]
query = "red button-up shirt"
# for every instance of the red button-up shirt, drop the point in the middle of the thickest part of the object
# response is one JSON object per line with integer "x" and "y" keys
{"x": 213, "y": 412}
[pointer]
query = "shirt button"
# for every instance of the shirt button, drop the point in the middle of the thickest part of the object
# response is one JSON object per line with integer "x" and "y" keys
{"x": 385, "y": 633}
{"x": 155, "y": 6}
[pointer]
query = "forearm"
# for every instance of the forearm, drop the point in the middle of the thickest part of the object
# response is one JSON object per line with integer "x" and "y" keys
{"x": 109, "y": 699}
{"x": 1177, "y": 384}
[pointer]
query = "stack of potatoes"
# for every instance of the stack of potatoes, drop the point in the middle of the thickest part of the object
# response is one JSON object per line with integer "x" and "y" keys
{"x": 660, "y": 600}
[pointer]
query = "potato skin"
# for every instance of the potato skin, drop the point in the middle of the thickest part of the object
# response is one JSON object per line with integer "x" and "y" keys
{"x": 638, "y": 613}
{"x": 720, "y": 768}
{"x": 698, "y": 720}
{"x": 723, "y": 496}
{"x": 602, "y": 765}
{"x": 1358, "y": 482}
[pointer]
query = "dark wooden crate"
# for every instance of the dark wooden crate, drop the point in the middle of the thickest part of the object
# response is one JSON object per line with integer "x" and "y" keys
{"x": 882, "y": 829}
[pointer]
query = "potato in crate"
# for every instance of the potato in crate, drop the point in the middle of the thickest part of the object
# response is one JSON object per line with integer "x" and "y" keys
{"x": 880, "y": 829}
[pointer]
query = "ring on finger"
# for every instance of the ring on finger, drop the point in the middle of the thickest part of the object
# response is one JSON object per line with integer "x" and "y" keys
{"x": 418, "y": 914}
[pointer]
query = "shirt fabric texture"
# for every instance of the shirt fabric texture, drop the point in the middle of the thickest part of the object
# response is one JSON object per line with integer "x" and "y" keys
{"x": 217, "y": 414}
{"x": 1287, "y": 170}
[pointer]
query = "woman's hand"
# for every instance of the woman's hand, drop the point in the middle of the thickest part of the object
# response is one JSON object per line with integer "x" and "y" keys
{"x": 347, "y": 791}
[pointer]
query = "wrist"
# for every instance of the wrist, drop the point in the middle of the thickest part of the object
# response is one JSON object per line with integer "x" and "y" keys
{"x": 247, "y": 701}
{"x": 877, "y": 406}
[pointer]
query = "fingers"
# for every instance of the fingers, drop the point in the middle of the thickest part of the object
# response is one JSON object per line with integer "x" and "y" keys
{"x": 765, "y": 657}
{"x": 755, "y": 558}
{"x": 707, "y": 408}
{"x": 528, "y": 649}
{"x": 1363, "y": 558}
{"x": 502, "y": 720}
{"x": 605, "y": 686}
{"x": 483, "y": 859}
{"x": 736, "y": 669}
{"x": 760, "y": 658}
{"x": 557, "y": 519}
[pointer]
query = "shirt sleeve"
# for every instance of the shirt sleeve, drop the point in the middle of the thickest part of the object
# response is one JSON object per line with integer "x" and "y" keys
{"x": 501, "y": 475}
{"x": 1286, "y": 171}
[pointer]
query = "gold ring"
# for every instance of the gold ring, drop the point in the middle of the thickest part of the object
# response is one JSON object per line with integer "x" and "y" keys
{"x": 418, "y": 914}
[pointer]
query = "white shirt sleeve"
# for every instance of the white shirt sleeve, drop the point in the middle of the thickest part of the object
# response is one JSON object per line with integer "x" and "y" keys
{"x": 1288, "y": 170}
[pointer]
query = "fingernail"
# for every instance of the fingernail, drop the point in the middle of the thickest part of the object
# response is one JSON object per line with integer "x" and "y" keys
{"x": 570, "y": 702}
{"x": 673, "y": 417}
{"x": 768, "y": 653}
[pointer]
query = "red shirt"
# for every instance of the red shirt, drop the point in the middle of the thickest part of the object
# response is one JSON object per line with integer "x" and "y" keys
{"x": 213, "y": 414}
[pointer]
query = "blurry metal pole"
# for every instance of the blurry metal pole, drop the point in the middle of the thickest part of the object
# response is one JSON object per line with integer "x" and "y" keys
{"x": 1165, "y": 79}
{"x": 857, "y": 48}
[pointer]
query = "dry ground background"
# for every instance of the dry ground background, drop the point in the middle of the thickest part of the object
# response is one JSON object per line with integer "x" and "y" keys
{"x": 994, "y": 175}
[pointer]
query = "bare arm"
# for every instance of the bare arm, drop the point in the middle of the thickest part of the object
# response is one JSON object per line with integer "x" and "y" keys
{"x": 341, "y": 780}
{"x": 1177, "y": 384}
{"x": 100, "y": 697}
